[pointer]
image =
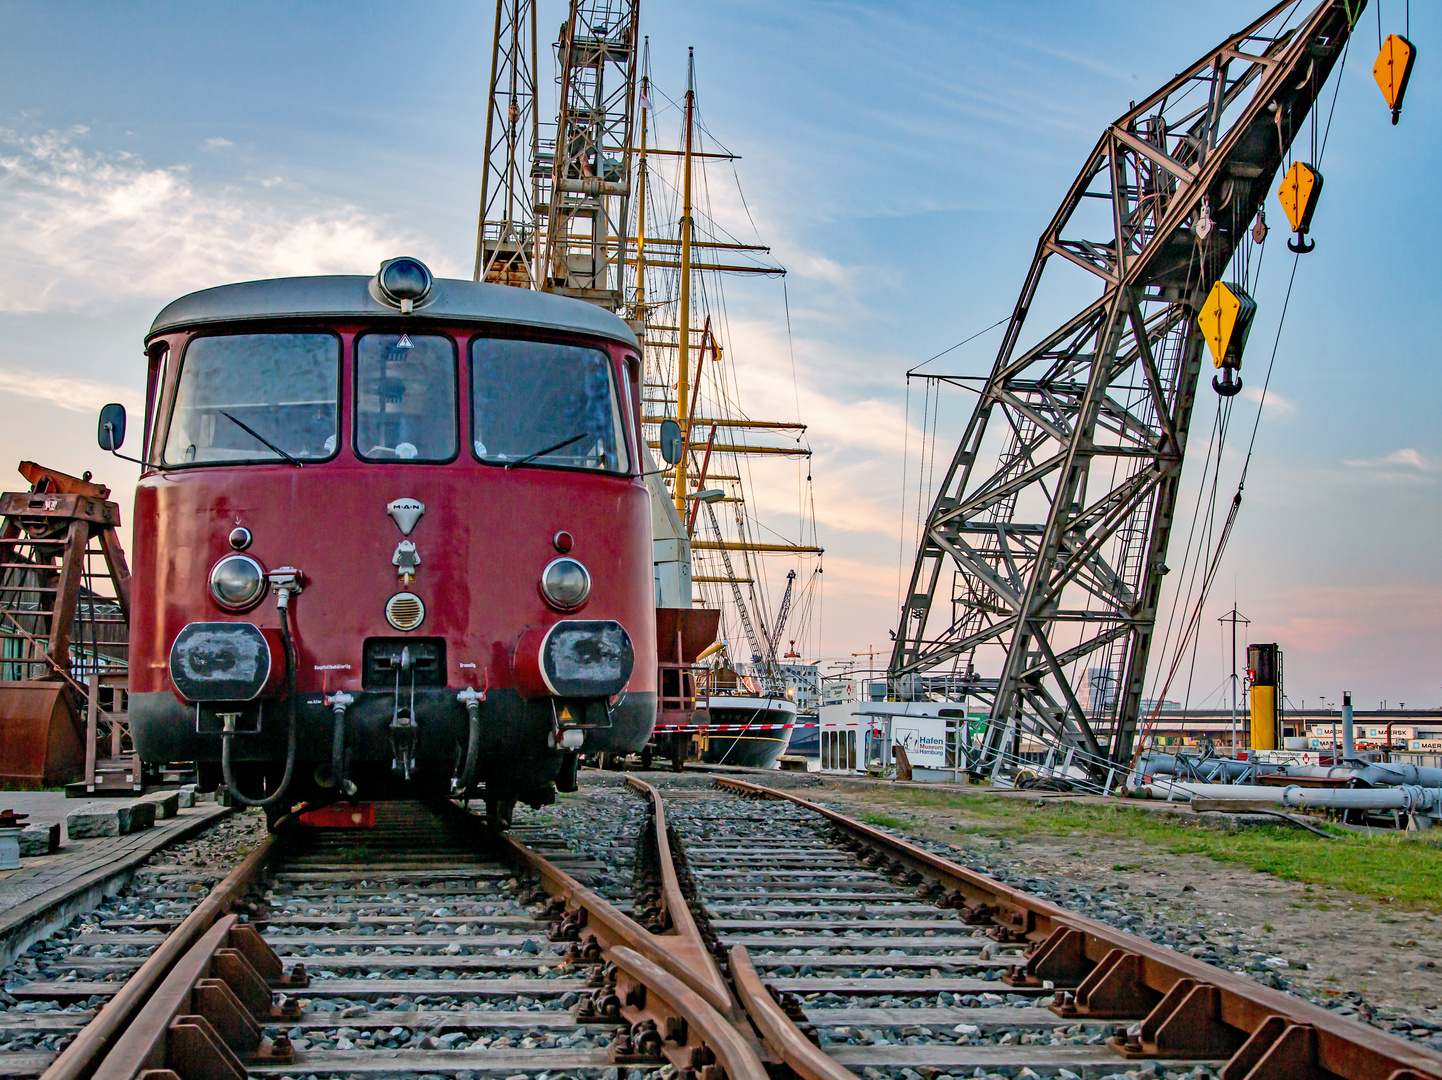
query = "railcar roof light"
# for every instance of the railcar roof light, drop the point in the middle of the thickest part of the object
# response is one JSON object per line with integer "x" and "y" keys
{"x": 404, "y": 282}
{"x": 565, "y": 583}
{"x": 237, "y": 582}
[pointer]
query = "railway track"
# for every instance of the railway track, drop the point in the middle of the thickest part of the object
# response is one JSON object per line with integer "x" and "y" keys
{"x": 766, "y": 936}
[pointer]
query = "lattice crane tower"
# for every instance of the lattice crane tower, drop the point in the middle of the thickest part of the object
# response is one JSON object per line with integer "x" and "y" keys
{"x": 1056, "y": 508}
{"x": 507, "y": 243}
{"x": 583, "y": 204}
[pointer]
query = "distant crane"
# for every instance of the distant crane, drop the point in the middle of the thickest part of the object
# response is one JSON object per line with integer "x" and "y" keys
{"x": 507, "y": 244}
{"x": 781, "y": 612}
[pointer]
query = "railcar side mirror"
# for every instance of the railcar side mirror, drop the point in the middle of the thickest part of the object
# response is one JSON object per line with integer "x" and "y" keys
{"x": 672, "y": 444}
{"x": 111, "y": 433}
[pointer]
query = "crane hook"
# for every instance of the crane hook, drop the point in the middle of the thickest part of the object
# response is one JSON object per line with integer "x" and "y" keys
{"x": 1226, "y": 387}
{"x": 1300, "y": 245}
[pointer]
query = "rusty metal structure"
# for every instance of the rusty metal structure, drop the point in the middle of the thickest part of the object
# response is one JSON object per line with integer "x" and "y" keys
{"x": 554, "y": 209}
{"x": 506, "y": 239}
{"x": 64, "y": 615}
{"x": 1041, "y": 559}
{"x": 582, "y": 202}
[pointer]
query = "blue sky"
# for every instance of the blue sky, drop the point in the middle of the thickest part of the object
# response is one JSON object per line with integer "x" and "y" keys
{"x": 901, "y": 158}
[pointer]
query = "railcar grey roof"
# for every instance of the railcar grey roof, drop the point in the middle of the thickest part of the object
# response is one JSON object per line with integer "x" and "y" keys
{"x": 349, "y": 295}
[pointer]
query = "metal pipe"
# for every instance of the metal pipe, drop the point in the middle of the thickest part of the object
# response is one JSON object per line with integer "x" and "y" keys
{"x": 1410, "y": 797}
{"x": 1349, "y": 743}
{"x": 1211, "y": 769}
{"x": 1374, "y": 774}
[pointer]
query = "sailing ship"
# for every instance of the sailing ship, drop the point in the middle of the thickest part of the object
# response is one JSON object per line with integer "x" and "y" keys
{"x": 745, "y": 707}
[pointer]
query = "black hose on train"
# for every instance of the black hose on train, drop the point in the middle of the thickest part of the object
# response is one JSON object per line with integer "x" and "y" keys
{"x": 229, "y": 730}
{"x": 472, "y": 701}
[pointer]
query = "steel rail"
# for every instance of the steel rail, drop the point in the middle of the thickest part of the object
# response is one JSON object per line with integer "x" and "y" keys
{"x": 79, "y": 1060}
{"x": 201, "y": 1008}
{"x": 779, "y": 1031}
{"x": 717, "y": 1036}
{"x": 206, "y": 1018}
{"x": 1187, "y": 1008}
{"x": 583, "y": 915}
{"x": 673, "y": 995}
{"x": 708, "y": 980}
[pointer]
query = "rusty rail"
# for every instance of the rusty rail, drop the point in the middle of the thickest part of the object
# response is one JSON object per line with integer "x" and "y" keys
{"x": 79, "y": 1060}
{"x": 674, "y": 1018}
{"x": 597, "y": 926}
{"x": 206, "y": 1018}
{"x": 665, "y": 986}
{"x": 1186, "y": 1008}
{"x": 778, "y": 1030}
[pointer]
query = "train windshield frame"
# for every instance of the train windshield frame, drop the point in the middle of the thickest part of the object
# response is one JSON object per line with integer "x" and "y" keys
{"x": 254, "y": 399}
{"x": 405, "y": 397}
{"x": 547, "y": 405}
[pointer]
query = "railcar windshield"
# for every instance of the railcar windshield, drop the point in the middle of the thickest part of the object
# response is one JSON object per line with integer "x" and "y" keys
{"x": 545, "y": 405}
{"x": 245, "y": 398}
{"x": 405, "y": 397}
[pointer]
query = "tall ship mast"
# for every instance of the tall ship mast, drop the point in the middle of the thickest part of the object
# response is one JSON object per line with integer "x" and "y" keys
{"x": 747, "y": 690}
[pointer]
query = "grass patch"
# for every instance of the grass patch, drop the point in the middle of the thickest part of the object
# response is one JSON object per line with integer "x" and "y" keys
{"x": 1392, "y": 868}
{"x": 885, "y": 821}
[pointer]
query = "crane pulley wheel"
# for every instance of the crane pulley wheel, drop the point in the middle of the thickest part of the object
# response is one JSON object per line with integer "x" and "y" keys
{"x": 1393, "y": 69}
{"x": 1300, "y": 189}
{"x": 1225, "y": 320}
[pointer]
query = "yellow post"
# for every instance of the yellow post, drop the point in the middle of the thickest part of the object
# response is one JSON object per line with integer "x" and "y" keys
{"x": 1264, "y": 718}
{"x": 683, "y": 351}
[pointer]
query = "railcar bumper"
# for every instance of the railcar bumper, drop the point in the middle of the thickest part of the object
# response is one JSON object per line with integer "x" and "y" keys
{"x": 516, "y": 753}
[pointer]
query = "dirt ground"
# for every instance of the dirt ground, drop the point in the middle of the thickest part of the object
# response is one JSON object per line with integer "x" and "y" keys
{"x": 1333, "y": 941}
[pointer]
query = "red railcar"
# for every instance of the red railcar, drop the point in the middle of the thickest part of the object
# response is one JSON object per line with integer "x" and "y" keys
{"x": 391, "y": 537}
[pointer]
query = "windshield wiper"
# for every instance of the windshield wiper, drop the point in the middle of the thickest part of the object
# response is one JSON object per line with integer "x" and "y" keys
{"x": 261, "y": 438}
{"x": 547, "y": 450}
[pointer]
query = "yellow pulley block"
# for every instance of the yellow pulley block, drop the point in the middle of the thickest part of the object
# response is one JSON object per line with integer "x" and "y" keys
{"x": 1225, "y": 321}
{"x": 1300, "y": 189}
{"x": 1392, "y": 70}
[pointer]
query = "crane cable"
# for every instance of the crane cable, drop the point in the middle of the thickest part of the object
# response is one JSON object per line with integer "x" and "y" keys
{"x": 1209, "y": 578}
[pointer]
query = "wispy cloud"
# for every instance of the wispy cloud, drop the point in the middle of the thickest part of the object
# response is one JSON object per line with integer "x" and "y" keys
{"x": 1275, "y": 404}
{"x": 82, "y": 228}
{"x": 66, "y": 392}
{"x": 217, "y": 142}
{"x": 1406, "y": 458}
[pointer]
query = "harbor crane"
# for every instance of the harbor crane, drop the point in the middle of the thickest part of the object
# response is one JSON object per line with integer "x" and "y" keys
{"x": 1056, "y": 508}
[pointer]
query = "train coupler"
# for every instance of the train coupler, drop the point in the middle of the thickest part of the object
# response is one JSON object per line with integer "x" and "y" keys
{"x": 403, "y": 744}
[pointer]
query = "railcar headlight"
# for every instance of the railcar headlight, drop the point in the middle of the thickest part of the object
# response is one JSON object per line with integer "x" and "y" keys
{"x": 404, "y": 282}
{"x": 566, "y": 584}
{"x": 237, "y": 582}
